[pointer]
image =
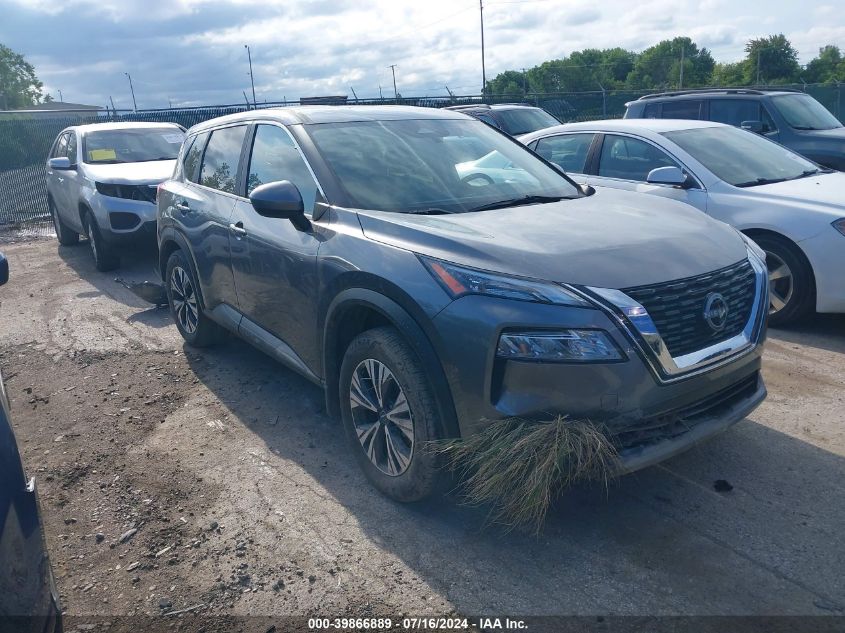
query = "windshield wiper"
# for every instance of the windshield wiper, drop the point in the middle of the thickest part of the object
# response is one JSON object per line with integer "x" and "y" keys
{"x": 428, "y": 211}
{"x": 760, "y": 181}
{"x": 515, "y": 202}
{"x": 149, "y": 160}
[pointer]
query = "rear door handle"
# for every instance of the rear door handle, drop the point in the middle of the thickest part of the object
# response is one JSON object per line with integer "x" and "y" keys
{"x": 183, "y": 206}
{"x": 238, "y": 229}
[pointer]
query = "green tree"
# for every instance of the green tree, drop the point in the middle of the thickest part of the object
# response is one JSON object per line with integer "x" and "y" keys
{"x": 510, "y": 82}
{"x": 771, "y": 60}
{"x": 19, "y": 87}
{"x": 659, "y": 66}
{"x": 828, "y": 67}
{"x": 727, "y": 75}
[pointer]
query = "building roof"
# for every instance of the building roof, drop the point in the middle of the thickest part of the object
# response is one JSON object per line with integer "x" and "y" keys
{"x": 61, "y": 105}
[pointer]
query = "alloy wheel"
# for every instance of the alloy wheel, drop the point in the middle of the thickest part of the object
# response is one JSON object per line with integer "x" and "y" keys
{"x": 184, "y": 299}
{"x": 781, "y": 284}
{"x": 382, "y": 417}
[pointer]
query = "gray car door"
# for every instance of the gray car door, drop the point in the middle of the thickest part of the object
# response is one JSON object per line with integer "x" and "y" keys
{"x": 625, "y": 161}
{"x": 203, "y": 205}
{"x": 274, "y": 263}
{"x": 57, "y": 179}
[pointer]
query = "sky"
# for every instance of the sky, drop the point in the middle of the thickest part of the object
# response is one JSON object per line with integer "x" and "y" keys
{"x": 192, "y": 52}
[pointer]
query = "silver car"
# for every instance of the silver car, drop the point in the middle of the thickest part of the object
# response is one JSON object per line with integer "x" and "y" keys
{"x": 102, "y": 180}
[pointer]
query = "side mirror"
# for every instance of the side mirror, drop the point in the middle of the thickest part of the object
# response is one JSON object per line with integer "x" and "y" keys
{"x": 667, "y": 176}
{"x": 62, "y": 163}
{"x": 753, "y": 126}
{"x": 282, "y": 200}
{"x": 586, "y": 189}
{"x": 4, "y": 269}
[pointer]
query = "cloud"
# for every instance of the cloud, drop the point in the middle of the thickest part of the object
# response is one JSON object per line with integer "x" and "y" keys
{"x": 192, "y": 52}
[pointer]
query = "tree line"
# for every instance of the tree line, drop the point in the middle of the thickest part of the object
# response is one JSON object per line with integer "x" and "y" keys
{"x": 672, "y": 64}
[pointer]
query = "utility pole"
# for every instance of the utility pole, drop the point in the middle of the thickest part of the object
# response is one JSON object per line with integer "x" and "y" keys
{"x": 483, "y": 67}
{"x": 681, "y": 80}
{"x": 134, "y": 104}
{"x": 380, "y": 95}
{"x": 392, "y": 67}
{"x": 61, "y": 99}
{"x": 251, "y": 78}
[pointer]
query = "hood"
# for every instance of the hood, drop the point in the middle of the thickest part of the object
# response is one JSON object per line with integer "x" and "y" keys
{"x": 612, "y": 239}
{"x": 836, "y": 133}
{"x": 146, "y": 173}
{"x": 822, "y": 192}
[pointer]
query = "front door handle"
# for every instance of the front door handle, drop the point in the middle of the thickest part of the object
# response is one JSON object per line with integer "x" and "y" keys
{"x": 183, "y": 207}
{"x": 238, "y": 229}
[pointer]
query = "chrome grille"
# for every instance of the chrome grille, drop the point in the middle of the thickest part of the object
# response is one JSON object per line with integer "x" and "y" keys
{"x": 677, "y": 307}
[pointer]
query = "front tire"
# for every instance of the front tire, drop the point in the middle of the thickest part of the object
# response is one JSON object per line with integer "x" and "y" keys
{"x": 791, "y": 291}
{"x": 65, "y": 235}
{"x": 105, "y": 259}
{"x": 390, "y": 415}
{"x": 183, "y": 298}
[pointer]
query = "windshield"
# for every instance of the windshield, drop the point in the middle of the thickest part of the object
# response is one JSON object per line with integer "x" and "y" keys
{"x": 741, "y": 158}
{"x": 802, "y": 112}
{"x": 133, "y": 145}
{"x": 524, "y": 120}
{"x": 433, "y": 165}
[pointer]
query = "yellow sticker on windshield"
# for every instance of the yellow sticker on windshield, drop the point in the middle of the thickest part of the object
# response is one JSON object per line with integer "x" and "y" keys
{"x": 102, "y": 154}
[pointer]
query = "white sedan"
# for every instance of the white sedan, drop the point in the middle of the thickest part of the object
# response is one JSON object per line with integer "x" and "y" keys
{"x": 793, "y": 208}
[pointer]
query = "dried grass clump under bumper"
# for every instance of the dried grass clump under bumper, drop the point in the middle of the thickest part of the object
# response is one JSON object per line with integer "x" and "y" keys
{"x": 520, "y": 466}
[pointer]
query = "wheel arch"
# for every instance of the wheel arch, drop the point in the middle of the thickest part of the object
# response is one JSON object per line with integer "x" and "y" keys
{"x": 356, "y": 310}
{"x": 752, "y": 232}
{"x": 171, "y": 241}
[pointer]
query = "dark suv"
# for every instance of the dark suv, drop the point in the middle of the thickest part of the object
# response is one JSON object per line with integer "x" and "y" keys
{"x": 791, "y": 118}
{"x": 511, "y": 118}
{"x": 433, "y": 275}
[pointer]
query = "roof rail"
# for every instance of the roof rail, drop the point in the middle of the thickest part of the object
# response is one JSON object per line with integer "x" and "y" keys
{"x": 465, "y": 106}
{"x": 731, "y": 91}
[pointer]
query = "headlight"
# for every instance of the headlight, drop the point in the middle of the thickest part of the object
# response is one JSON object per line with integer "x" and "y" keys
{"x": 564, "y": 346}
{"x": 839, "y": 225}
{"x": 459, "y": 281}
{"x": 752, "y": 247}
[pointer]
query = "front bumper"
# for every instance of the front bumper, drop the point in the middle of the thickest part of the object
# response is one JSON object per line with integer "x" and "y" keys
{"x": 124, "y": 221}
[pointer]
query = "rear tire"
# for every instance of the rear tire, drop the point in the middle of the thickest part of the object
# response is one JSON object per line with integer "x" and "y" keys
{"x": 791, "y": 288}
{"x": 390, "y": 415}
{"x": 105, "y": 259}
{"x": 185, "y": 306}
{"x": 65, "y": 235}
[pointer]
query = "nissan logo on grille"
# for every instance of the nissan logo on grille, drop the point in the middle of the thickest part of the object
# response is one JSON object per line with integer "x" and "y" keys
{"x": 715, "y": 311}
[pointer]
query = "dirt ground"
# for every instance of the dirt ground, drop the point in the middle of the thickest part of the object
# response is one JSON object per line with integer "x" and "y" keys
{"x": 172, "y": 478}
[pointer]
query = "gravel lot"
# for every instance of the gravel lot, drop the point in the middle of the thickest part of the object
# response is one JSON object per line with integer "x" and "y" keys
{"x": 171, "y": 477}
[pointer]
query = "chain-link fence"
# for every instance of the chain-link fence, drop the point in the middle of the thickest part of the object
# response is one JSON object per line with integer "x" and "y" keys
{"x": 26, "y": 137}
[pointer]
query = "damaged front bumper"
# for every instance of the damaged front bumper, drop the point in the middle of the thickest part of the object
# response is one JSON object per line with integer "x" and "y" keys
{"x": 649, "y": 442}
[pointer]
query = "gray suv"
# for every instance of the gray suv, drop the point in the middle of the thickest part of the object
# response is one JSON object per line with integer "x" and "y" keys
{"x": 793, "y": 119}
{"x": 101, "y": 183}
{"x": 360, "y": 247}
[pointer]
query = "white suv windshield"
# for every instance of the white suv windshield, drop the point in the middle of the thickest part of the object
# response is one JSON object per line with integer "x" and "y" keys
{"x": 802, "y": 112}
{"x": 741, "y": 158}
{"x": 132, "y": 145}
{"x": 435, "y": 165}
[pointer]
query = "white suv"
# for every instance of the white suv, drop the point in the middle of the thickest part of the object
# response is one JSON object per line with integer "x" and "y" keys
{"x": 101, "y": 183}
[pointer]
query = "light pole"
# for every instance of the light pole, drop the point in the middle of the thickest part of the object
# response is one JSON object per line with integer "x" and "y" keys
{"x": 61, "y": 99}
{"x": 132, "y": 90}
{"x": 392, "y": 67}
{"x": 483, "y": 68}
{"x": 251, "y": 79}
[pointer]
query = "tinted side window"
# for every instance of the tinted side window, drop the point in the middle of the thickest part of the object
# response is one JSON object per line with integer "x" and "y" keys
{"x": 568, "y": 151}
{"x": 275, "y": 157}
{"x": 488, "y": 120}
{"x": 682, "y": 109}
{"x": 651, "y": 111}
{"x": 193, "y": 156}
{"x": 71, "y": 148}
{"x": 734, "y": 111}
{"x": 61, "y": 147}
{"x": 220, "y": 162}
{"x": 630, "y": 159}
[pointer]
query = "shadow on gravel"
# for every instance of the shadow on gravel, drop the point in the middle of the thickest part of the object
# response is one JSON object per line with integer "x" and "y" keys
{"x": 137, "y": 264}
{"x": 662, "y": 541}
{"x": 824, "y": 331}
